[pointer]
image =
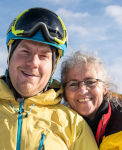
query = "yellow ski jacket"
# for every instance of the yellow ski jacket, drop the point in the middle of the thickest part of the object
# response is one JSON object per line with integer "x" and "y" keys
{"x": 112, "y": 142}
{"x": 41, "y": 122}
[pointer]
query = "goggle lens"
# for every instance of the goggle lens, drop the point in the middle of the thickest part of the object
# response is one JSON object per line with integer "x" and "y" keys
{"x": 32, "y": 17}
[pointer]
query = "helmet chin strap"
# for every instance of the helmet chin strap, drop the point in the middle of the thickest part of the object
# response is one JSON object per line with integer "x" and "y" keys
{"x": 54, "y": 65}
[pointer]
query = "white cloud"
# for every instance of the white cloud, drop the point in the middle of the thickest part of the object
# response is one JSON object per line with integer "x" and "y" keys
{"x": 3, "y": 56}
{"x": 104, "y": 1}
{"x": 98, "y": 33}
{"x": 115, "y": 12}
{"x": 71, "y": 16}
{"x": 2, "y": 71}
{"x": 73, "y": 23}
{"x": 60, "y": 1}
{"x": 3, "y": 62}
{"x": 77, "y": 31}
{"x": 116, "y": 71}
{"x": 80, "y": 25}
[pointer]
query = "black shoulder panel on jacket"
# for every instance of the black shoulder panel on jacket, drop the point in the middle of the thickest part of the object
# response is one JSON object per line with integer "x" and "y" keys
{"x": 115, "y": 122}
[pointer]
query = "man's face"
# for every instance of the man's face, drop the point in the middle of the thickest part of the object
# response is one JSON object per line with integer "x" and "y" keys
{"x": 30, "y": 67}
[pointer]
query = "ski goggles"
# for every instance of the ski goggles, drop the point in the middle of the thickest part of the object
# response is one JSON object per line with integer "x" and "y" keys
{"x": 28, "y": 23}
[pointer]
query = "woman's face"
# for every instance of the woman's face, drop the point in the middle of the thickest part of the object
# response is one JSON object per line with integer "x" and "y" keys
{"x": 84, "y": 100}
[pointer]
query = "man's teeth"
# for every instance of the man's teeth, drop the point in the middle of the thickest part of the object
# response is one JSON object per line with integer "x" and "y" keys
{"x": 28, "y": 74}
{"x": 84, "y": 100}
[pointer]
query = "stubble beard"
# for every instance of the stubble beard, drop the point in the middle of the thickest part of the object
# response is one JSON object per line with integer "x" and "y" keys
{"x": 25, "y": 89}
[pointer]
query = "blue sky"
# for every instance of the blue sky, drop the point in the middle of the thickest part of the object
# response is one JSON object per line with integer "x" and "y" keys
{"x": 95, "y": 25}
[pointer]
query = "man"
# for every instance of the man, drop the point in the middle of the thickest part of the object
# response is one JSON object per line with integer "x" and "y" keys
{"x": 31, "y": 116}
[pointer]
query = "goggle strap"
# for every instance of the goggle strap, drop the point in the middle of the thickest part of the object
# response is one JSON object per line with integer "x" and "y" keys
{"x": 60, "y": 52}
{"x": 56, "y": 64}
{"x": 9, "y": 53}
{"x": 10, "y": 42}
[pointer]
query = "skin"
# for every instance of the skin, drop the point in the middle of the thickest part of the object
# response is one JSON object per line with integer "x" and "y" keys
{"x": 94, "y": 96}
{"x": 30, "y": 67}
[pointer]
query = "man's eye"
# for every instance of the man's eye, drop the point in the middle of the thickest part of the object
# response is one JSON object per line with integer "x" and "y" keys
{"x": 43, "y": 56}
{"x": 25, "y": 51}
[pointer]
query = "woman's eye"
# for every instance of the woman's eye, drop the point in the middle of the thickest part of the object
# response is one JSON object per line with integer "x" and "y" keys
{"x": 90, "y": 82}
{"x": 73, "y": 84}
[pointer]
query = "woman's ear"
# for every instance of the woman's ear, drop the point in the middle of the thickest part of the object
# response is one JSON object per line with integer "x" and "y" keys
{"x": 105, "y": 91}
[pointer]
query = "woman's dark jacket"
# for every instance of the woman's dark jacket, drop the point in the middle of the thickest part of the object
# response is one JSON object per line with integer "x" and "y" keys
{"x": 107, "y": 125}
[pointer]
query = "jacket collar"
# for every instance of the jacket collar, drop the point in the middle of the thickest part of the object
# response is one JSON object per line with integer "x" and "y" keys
{"x": 50, "y": 97}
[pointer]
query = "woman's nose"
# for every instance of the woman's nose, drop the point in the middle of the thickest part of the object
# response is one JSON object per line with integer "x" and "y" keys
{"x": 82, "y": 88}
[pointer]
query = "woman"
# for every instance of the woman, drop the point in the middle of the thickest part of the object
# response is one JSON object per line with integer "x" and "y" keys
{"x": 87, "y": 89}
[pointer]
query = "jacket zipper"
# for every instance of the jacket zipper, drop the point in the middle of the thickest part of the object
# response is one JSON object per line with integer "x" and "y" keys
{"x": 19, "y": 126}
{"x": 100, "y": 131}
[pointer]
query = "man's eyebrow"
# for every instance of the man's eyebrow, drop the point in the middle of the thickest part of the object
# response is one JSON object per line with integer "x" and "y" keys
{"x": 43, "y": 50}
{"x": 46, "y": 50}
{"x": 23, "y": 45}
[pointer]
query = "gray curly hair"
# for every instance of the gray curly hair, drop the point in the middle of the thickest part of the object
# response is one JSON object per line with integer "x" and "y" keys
{"x": 83, "y": 59}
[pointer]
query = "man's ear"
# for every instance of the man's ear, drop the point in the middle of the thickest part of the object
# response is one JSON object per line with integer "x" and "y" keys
{"x": 56, "y": 55}
{"x": 56, "y": 60}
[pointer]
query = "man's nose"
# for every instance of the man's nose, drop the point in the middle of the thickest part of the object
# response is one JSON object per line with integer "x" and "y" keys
{"x": 33, "y": 60}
